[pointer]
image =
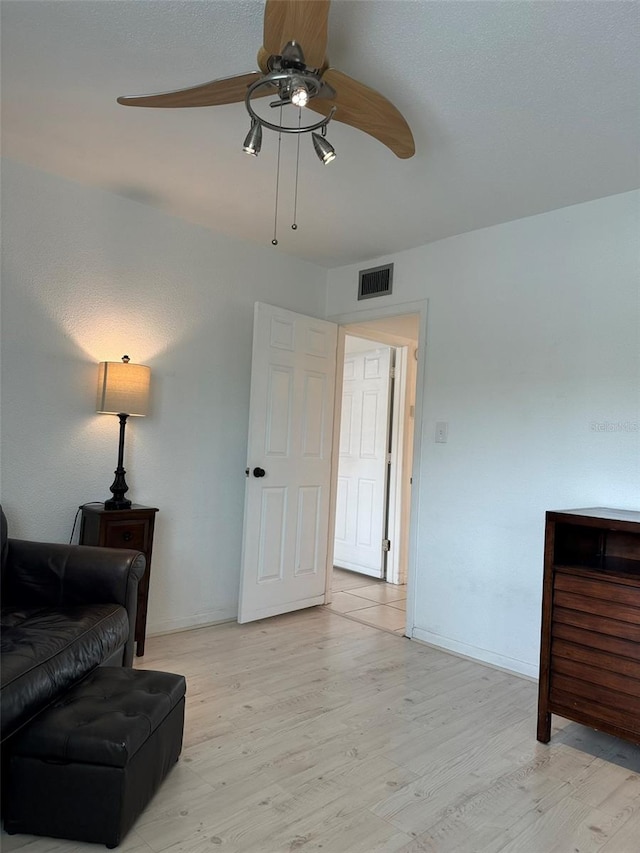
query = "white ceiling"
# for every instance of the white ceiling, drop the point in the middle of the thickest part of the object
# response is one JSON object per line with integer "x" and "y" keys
{"x": 516, "y": 107}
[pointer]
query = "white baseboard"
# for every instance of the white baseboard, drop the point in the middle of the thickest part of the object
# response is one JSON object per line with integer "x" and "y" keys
{"x": 198, "y": 620}
{"x": 511, "y": 665}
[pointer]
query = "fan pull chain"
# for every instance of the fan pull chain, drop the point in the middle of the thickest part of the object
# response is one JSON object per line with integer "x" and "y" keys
{"x": 294, "y": 226}
{"x": 274, "y": 242}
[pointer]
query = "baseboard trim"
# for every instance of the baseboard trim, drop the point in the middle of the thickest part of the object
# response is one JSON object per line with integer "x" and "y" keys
{"x": 199, "y": 620}
{"x": 506, "y": 664}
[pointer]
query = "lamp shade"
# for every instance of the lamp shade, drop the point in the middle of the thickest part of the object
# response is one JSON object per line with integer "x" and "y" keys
{"x": 123, "y": 388}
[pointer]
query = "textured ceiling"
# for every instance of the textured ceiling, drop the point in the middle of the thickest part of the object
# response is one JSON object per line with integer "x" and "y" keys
{"x": 516, "y": 107}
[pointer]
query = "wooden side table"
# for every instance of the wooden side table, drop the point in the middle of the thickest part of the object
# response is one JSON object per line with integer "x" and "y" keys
{"x": 124, "y": 528}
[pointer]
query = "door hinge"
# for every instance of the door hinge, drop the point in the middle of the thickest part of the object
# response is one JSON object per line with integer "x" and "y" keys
{"x": 392, "y": 373}
{"x": 388, "y": 458}
{"x": 386, "y": 544}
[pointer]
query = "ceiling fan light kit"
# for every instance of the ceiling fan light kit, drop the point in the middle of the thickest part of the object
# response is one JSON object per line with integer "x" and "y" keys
{"x": 253, "y": 141}
{"x": 300, "y": 93}
{"x": 293, "y": 30}
{"x": 287, "y": 84}
{"x": 323, "y": 148}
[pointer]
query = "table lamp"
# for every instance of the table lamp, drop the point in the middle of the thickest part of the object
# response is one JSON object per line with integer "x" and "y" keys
{"x": 123, "y": 390}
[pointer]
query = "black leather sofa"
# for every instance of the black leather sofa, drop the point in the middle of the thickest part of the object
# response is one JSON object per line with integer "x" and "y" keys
{"x": 66, "y": 609}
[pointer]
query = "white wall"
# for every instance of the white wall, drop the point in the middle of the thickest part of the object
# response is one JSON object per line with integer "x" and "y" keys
{"x": 89, "y": 276}
{"x": 533, "y": 337}
{"x": 532, "y": 357}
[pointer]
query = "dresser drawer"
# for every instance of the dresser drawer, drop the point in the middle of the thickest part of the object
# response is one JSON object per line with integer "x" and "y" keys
{"x": 595, "y": 706}
{"x": 599, "y": 628}
{"x": 593, "y": 591}
{"x": 127, "y": 534}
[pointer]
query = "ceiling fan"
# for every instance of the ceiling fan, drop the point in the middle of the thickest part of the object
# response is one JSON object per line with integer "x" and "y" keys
{"x": 293, "y": 65}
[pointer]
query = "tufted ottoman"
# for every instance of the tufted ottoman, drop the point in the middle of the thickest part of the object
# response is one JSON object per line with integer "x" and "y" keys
{"x": 87, "y": 766}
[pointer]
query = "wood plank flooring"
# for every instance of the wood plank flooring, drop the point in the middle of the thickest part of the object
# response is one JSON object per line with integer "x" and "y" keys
{"x": 311, "y": 732}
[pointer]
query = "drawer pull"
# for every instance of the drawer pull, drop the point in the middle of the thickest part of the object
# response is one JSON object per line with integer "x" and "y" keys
{"x": 127, "y": 536}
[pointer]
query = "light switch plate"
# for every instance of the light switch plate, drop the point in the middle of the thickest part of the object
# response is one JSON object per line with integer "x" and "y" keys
{"x": 442, "y": 432}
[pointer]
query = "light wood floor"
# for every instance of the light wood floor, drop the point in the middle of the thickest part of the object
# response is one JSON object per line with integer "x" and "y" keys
{"x": 311, "y": 732}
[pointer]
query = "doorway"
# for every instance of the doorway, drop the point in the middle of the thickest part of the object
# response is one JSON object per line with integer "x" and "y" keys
{"x": 372, "y": 499}
{"x": 292, "y": 458}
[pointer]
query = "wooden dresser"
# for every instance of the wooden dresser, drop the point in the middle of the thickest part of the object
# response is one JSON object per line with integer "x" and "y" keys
{"x": 124, "y": 528}
{"x": 590, "y": 649}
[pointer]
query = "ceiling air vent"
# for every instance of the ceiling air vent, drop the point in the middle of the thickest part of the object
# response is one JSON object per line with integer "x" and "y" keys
{"x": 375, "y": 282}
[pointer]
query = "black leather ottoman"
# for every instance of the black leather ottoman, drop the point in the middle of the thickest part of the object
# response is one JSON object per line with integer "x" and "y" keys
{"x": 87, "y": 766}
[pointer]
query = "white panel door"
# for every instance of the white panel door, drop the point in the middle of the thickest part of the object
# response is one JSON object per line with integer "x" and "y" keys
{"x": 286, "y": 515}
{"x": 362, "y": 467}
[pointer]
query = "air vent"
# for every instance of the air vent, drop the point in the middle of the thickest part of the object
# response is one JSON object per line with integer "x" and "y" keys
{"x": 375, "y": 282}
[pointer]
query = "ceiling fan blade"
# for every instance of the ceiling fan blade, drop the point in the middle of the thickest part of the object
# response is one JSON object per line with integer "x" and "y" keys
{"x": 368, "y": 110}
{"x": 263, "y": 58}
{"x": 303, "y": 21}
{"x": 229, "y": 90}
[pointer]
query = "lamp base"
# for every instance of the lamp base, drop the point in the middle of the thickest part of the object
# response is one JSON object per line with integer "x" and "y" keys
{"x": 112, "y": 503}
{"x": 119, "y": 486}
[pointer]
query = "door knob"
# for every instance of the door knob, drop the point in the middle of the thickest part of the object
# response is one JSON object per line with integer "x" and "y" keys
{"x": 259, "y": 472}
